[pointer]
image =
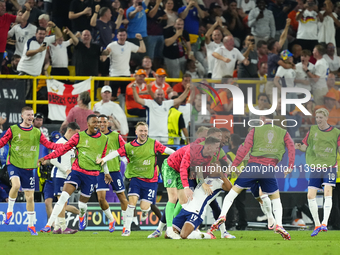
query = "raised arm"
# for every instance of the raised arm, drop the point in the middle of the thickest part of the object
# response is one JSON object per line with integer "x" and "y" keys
{"x": 73, "y": 37}
{"x": 57, "y": 31}
{"x": 142, "y": 48}
{"x": 72, "y": 15}
{"x": 136, "y": 96}
{"x": 26, "y": 15}
{"x": 284, "y": 34}
{"x": 94, "y": 18}
{"x": 154, "y": 10}
{"x": 183, "y": 96}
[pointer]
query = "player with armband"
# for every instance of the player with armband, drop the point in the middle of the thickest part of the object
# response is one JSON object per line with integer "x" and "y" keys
{"x": 115, "y": 141}
{"x": 24, "y": 141}
{"x": 141, "y": 169}
{"x": 90, "y": 145}
{"x": 321, "y": 144}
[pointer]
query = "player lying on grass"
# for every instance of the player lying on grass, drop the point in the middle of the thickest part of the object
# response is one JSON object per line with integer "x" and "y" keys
{"x": 90, "y": 145}
{"x": 192, "y": 213}
{"x": 141, "y": 169}
{"x": 267, "y": 144}
{"x": 321, "y": 145}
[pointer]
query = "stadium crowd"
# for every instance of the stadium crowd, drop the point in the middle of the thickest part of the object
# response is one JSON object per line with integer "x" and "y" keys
{"x": 281, "y": 43}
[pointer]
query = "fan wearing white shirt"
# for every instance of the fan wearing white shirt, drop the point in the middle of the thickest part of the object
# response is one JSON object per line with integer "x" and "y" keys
{"x": 285, "y": 77}
{"x": 301, "y": 79}
{"x": 22, "y": 32}
{"x": 59, "y": 57}
{"x": 226, "y": 58}
{"x": 332, "y": 59}
{"x": 61, "y": 169}
{"x": 157, "y": 111}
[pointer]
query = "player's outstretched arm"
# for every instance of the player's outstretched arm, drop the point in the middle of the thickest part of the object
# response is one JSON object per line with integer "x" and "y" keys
{"x": 48, "y": 144}
{"x": 168, "y": 151}
{"x": 5, "y": 139}
{"x": 108, "y": 157}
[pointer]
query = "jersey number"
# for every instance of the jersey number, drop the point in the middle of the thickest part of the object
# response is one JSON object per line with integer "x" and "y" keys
{"x": 151, "y": 193}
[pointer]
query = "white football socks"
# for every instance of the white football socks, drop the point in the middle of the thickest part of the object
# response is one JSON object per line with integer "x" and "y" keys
{"x": 82, "y": 208}
{"x": 327, "y": 207}
{"x": 313, "y": 207}
{"x": 124, "y": 218}
{"x": 58, "y": 207}
{"x": 31, "y": 218}
{"x": 62, "y": 223}
{"x": 161, "y": 226}
{"x": 267, "y": 206}
{"x": 108, "y": 214}
{"x": 228, "y": 201}
{"x": 277, "y": 208}
{"x": 11, "y": 202}
{"x": 129, "y": 215}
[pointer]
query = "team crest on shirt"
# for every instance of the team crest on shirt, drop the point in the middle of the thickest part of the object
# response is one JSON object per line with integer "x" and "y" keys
{"x": 270, "y": 137}
{"x": 315, "y": 135}
{"x": 234, "y": 56}
{"x": 12, "y": 172}
{"x": 209, "y": 181}
{"x": 26, "y": 33}
{"x": 169, "y": 181}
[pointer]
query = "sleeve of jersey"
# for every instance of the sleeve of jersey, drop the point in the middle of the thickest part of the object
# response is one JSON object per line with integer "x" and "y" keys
{"x": 104, "y": 151}
{"x": 8, "y": 136}
{"x": 64, "y": 148}
{"x": 159, "y": 147}
{"x": 48, "y": 144}
{"x": 304, "y": 141}
{"x": 183, "y": 170}
{"x": 121, "y": 141}
{"x": 291, "y": 150}
{"x": 199, "y": 140}
{"x": 338, "y": 140}
{"x": 243, "y": 149}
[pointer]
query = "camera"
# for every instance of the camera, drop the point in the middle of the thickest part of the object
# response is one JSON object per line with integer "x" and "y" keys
{"x": 44, "y": 44}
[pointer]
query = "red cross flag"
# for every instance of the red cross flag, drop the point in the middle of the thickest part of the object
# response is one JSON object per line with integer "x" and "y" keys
{"x": 63, "y": 97}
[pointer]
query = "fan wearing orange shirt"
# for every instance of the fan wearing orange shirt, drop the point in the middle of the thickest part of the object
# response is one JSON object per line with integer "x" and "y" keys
{"x": 180, "y": 87}
{"x": 329, "y": 104}
{"x": 160, "y": 83}
{"x": 132, "y": 107}
{"x": 227, "y": 103}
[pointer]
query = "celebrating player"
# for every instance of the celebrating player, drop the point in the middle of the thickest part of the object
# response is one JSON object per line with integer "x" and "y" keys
{"x": 267, "y": 144}
{"x": 62, "y": 168}
{"x": 115, "y": 141}
{"x": 321, "y": 145}
{"x": 24, "y": 140}
{"x": 90, "y": 145}
{"x": 141, "y": 169}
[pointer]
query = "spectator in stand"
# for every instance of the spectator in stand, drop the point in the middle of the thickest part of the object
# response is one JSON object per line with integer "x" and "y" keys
{"x": 176, "y": 47}
{"x": 262, "y": 74}
{"x": 35, "y": 12}
{"x": 160, "y": 83}
{"x": 158, "y": 110}
{"x": 330, "y": 105}
{"x": 196, "y": 110}
{"x": 194, "y": 68}
{"x": 262, "y": 104}
{"x": 307, "y": 33}
{"x": 6, "y": 20}
{"x": 213, "y": 40}
{"x": 296, "y": 50}
{"x": 60, "y": 13}
{"x": 192, "y": 14}
{"x": 59, "y": 57}
{"x": 333, "y": 89}
{"x": 249, "y": 71}
{"x": 226, "y": 58}
{"x": 261, "y": 21}
{"x": 156, "y": 20}
{"x": 112, "y": 110}
{"x": 292, "y": 15}
{"x": 319, "y": 84}
{"x": 262, "y": 52}
{"x": 337, "y": 32}
{"x": 246, "y": 5}
{"x": 86, "y": 54}
{"x": 22, "y": 32}
{"x": 172, "y": 15}
{"x": 234, "y": 22}
{"x": 118, "y": 16}
{"x": 332, "y": 59}
{"x": 326, "y": 33}
{"x": 80, "y": 13}
{"x": 79, "y": 113}
{"x": 101, "y": 3}
{"x": 274, "y": 60}
{"x": 302, "y": 80}
{"x": 227, "y": 103}
{"x": 280, "y": 10}
{"x": 43, "y": 20}
{"x": 147, "y": 64}
{"x": 215, "y": 14}
{"x": 132, "y": 107}
{"x": 180, "y": 87}
{"x": 14, "y": 64}
{"x": 137, "y": 24}
{"x": 120, "y": 54}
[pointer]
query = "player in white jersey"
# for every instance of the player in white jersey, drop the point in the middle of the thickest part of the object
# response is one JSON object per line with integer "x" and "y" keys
{"x": 192, "y": 213}
{"x": 61, "y": 169}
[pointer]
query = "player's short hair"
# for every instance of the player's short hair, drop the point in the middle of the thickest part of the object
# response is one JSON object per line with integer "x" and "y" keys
{"x": 323, "y": 111}
{"x": 213, "y": 130}
{"x": 40, "y": 29}
{"x": 73, "y": 126}
{"x": 235, "y": 139}
{"x": 270, "y": 44}
{"x": 91, "y": 116}
{"x": 85, "y": 97}
{"x": 306, "y": 53}
{"x": 141, "y": 123}
{"x": 102, "y": 11}
{"x": 26, "y": 108}
{"x": 263, "y": 95}
{"x": 211, "y": 140}
{"x": 260, "y": 43}
{"x": 201, "y": 129}
{"x": 102, "y": 116}
{"x": 225, "y": 130}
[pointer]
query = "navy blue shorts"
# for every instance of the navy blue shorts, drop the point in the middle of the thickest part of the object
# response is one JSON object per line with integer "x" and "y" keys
{"x": 255, "y": 190}
{"x": 247, "y": 180}
{"x": 58, "y": 185}
{"x": 146, "y": 191}
{"x": 117, "y": 182}
{"x": 26, "y": 177}
{"x": 86, "y": 183}
{"x": 48, "y": 189}
{"x": 321, "y": 178}
{"x": 186, "y": 217}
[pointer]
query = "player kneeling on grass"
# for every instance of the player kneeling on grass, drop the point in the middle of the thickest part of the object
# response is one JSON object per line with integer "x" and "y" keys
{"x": 192, "y": 213}
{"x": 141, "y": 169}
{"x": 90, "y": 145}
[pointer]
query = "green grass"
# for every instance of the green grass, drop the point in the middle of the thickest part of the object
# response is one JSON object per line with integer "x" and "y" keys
{"x": 247, "y": 242}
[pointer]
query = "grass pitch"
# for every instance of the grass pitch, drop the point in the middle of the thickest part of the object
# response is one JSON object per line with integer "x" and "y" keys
{"x": 246, "y": 242}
